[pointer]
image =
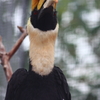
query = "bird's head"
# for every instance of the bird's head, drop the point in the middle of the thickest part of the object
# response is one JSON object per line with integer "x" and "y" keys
{"x": 43, "y": 15}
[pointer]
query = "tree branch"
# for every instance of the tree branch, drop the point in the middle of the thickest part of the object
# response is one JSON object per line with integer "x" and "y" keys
{"x": 4, "y": 61}
{"x": 5, "y": 57}
{"x": 18, "y": 43}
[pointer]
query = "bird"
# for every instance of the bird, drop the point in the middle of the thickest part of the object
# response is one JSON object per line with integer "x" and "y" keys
{"x": 43, "y": 80}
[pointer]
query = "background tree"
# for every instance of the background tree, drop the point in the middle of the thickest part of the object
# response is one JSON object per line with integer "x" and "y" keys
{"x": 12, "y": 13}
{"x": 79, "y": 41}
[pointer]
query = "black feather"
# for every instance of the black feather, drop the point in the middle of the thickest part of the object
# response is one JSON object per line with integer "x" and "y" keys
{"x": 14, "y": 83}
{"x": 31, "y": 86}
{"x": 63, "y": 87}
{"x": 47, "y": 21}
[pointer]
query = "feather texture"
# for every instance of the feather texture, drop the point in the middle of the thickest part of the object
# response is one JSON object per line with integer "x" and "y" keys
{"x": 15, "y": 83}
{"x": 31, "y": 86}
{"x": 42, "y": 45}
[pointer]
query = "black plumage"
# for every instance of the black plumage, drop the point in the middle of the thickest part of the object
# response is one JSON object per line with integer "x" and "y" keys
{"x": 28, "y": 85}
{"x": 46, "y": 21}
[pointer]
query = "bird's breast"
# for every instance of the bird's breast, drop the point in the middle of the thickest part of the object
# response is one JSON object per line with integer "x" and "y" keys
{"x": 37, "y": 87}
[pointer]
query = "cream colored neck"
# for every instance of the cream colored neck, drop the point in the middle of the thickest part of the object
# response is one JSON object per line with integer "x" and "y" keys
{"x": 41, "y": 50}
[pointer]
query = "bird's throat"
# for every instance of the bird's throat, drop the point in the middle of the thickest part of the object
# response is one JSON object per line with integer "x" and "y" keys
{"x": 41, "y": 52}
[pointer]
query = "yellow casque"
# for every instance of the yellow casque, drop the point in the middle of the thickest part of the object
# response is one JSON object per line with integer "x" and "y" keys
{"x": 39, "y": 3}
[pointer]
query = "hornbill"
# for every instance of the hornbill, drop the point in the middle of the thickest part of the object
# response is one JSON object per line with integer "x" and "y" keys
{"x": 43, "y": 80}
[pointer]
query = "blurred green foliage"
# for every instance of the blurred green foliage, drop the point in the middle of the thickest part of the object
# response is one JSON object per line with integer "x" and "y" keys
{"x": 80, "y": 20}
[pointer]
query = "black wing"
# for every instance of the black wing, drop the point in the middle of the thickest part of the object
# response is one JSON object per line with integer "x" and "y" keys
{"x": 15, "y": 81}
{"x": 62, "y": 85}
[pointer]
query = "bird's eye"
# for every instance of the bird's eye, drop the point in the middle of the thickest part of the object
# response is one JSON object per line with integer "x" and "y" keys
{"x": 55, "y": 13}
{"x": 35, "y": 13}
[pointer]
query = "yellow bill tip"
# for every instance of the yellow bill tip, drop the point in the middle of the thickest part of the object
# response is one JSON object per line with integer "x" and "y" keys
{"x": 37, "y": 3}
{"x": 40, "y": 3}
{"x": 34, "y": 4}
{"x": 56, "y": 1}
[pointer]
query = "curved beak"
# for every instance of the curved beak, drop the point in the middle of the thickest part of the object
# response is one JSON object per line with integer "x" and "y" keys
{"x": 45, "y": 3}
{"x": 50, "y": 3}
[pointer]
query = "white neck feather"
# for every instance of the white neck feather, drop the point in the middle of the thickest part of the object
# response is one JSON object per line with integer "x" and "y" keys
{"x": 41, "y": 50}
